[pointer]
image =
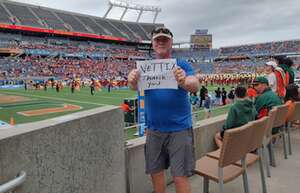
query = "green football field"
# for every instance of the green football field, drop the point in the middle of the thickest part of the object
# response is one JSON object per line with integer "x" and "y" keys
{"x": 40, "y": 99}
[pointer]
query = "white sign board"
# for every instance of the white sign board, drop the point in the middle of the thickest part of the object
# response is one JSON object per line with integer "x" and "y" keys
{"x": 157, "y": 74}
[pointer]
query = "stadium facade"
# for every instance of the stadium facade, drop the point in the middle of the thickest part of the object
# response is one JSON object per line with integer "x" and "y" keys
{"x": 31, "y": 18}
{"x": 63, "y": 39}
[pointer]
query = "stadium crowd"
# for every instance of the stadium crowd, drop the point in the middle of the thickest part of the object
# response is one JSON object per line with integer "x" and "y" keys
{"x": 63, "y": 68}
{"x": 63, "y": 58}
{"x": 253, "y": 95}
{"x": 241, "y": 66}
{"x": 87, "y": 48}
{"x": 67, "y": 59}
{"x": 262, "y": 48}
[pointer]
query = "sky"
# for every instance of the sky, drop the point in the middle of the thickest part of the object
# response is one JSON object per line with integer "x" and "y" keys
{"x": 231, "y": 22}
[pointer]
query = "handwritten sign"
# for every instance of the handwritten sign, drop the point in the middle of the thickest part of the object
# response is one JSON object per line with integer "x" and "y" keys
{"x": 157, "y": 74}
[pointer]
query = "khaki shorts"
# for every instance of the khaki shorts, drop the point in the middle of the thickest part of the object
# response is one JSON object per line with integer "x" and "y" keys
{"x": 170, "y": 149}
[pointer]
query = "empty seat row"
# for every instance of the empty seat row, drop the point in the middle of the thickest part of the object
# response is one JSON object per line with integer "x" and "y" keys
{"x": 92, "y": 24}
{"x": 37, "y": 16}
{"x": 70, "y": 20}
{"x": 4, "y": 17}
{"x": 23, "y": 14}
{"x": 49, "y": 18}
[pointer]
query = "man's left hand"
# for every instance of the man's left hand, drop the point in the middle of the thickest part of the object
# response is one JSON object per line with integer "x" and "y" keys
{"x": 180, "y": 76}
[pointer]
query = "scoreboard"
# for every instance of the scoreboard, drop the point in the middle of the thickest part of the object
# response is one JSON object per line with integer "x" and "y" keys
{"x": 201, "y": 39}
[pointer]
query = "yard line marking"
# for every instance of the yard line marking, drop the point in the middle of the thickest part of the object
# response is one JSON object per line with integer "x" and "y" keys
{"x": 45, "y": 111}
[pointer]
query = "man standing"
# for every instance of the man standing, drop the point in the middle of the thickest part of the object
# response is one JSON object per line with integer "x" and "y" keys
{"x": 224, "y": 96}
{"x": 72, "y": 86}
{"x": 109, "y": 85}
{"x": 45, "y": 85}
{"x": 169, "y": 140}
{"x": 271, "y": 76}
{"x": 57, "y": 86}
{"x": 92, "y": 86}
{"x": 25, "y": 85}
{"x": 218, "y": 95}
{"x": 282, "y": 76}
{"x": 203, "y": 90}
{"x": 231, "y": 94}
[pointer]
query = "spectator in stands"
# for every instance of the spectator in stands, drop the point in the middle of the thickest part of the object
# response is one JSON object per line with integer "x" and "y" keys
{"x": 289, "y": 62}
{"x": 169, "y": 120}
{"x": 266, "y": 98}
{"x": 292, "y": 96}
{"x": 285, "y": 63}
{"x": 270, "y": 71}
{"x": 224, "y": 96}
{"x": 14, "y": 20}
{"x": 240, "y": 113}
{"x": 282, "y": 77}
{"x": 203, "y": 90}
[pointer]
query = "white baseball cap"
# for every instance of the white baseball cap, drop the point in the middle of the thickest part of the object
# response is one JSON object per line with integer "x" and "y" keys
{"x": 161, "y": 31}
{"x": 271, "y": 63}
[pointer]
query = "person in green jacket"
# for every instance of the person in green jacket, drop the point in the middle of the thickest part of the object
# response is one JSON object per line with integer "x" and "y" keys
{"x": 239, "y": 114}
{"x": 266, "y": 98}
{"x": 290, "y": 70}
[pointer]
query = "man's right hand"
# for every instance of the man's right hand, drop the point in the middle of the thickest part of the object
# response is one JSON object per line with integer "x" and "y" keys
{"x": 133, "y": 78}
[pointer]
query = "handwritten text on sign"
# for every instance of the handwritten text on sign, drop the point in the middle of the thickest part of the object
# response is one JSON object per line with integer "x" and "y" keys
{"x": 157, "y": 74}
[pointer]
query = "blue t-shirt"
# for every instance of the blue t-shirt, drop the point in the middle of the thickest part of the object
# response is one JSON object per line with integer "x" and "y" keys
{"x": 169, "y": 110}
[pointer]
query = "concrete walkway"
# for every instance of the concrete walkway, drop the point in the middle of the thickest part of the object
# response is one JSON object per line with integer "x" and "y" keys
{"x": 285, "y": 178}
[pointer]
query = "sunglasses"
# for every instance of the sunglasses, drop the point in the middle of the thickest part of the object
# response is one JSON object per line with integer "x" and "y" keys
{"x": 161, "y": 30}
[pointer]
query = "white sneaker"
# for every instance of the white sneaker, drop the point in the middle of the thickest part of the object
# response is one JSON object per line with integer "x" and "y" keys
{"x": 136, "y": 134}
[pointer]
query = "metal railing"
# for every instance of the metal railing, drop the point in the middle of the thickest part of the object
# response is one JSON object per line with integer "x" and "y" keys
{"x": 20, "y": 178}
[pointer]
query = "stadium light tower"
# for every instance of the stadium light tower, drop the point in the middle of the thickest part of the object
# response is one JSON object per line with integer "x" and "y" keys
{"x": 129, "y": 5}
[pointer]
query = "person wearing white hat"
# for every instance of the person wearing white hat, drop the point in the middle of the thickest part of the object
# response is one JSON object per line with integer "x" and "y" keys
{"x": 169, "y": 136}
{"x": 271, "y": 76}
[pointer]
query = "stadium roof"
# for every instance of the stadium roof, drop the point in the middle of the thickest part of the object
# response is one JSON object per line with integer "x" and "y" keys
{"x": 66, "y": 22}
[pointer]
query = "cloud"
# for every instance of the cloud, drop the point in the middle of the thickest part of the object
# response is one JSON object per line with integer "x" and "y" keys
{"x": 231, "y": 22}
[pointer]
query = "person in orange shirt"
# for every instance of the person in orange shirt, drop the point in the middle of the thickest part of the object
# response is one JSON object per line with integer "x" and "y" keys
{"x": 292, "y": 95}
{"x": 125, "y": 107}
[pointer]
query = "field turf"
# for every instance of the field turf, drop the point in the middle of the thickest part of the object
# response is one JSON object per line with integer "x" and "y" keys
{"x": 40, "y": 99}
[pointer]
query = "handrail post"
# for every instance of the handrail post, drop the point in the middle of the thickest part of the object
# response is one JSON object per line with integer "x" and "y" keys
{"x": 13, "y": 183}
